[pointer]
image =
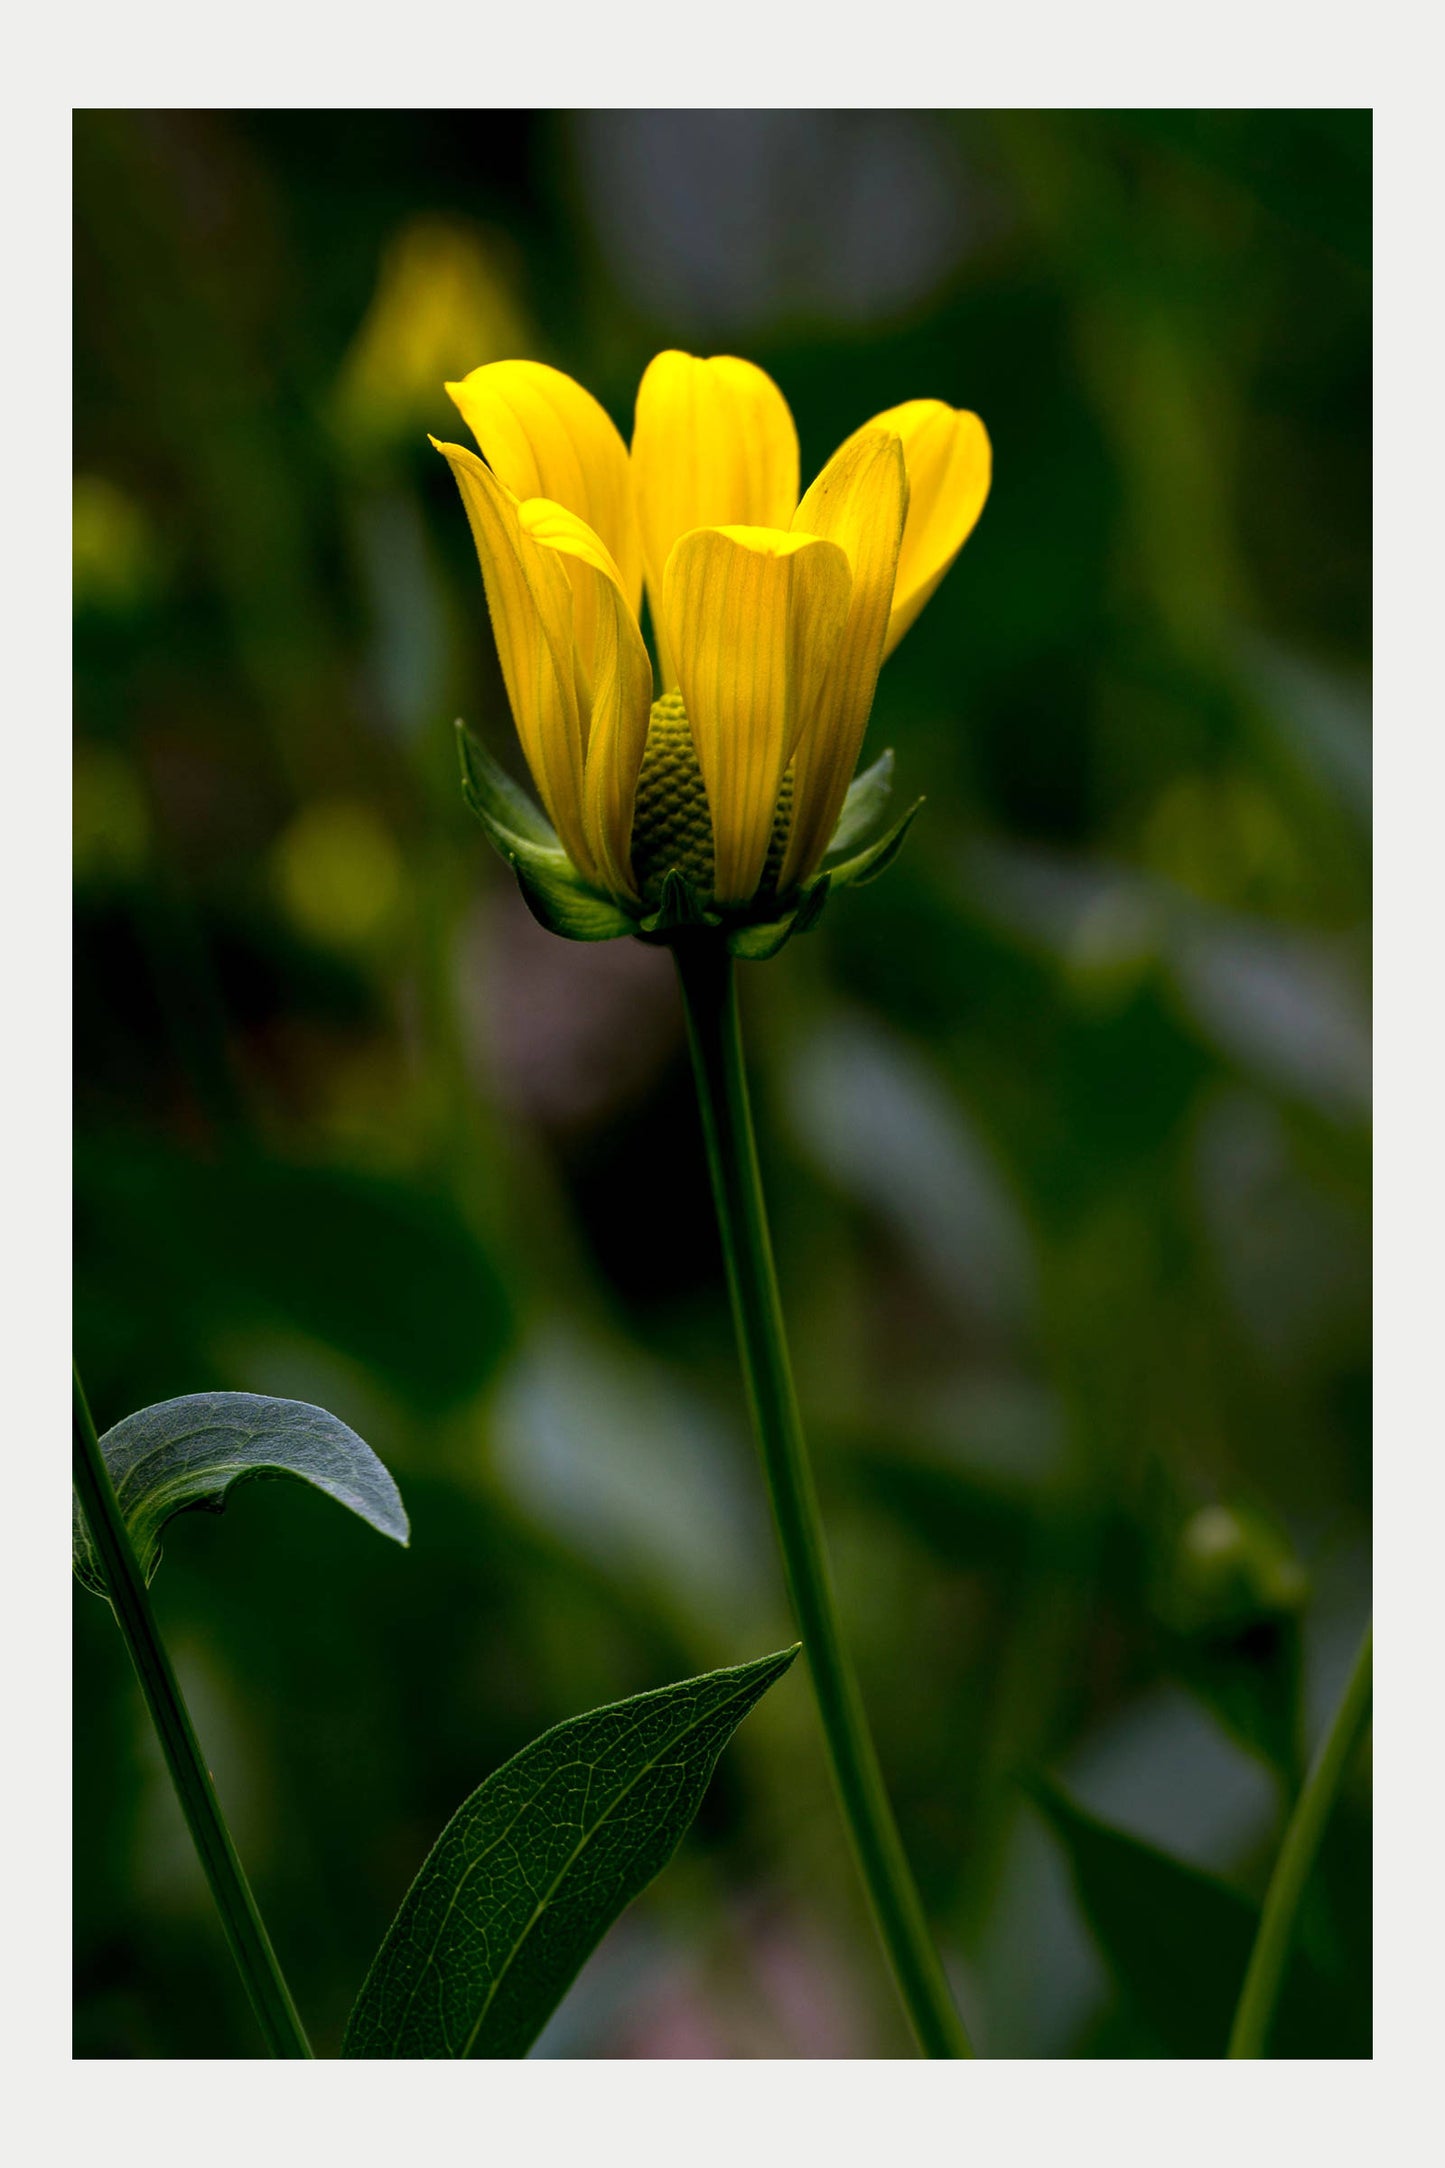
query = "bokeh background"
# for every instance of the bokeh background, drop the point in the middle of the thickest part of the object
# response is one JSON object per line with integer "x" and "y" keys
{"x": 1065, "y": 1120}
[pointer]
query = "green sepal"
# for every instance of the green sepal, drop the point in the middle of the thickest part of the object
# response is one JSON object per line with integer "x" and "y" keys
{"x": 502, "y": 806}
{"x": 552, "y": 888}
{"x": 863, "y": 807}
{"x": 756, "y": 943}
{"x": 565, "y": 905}
{"x": 680, "y": 907}
{"x": 868, "y": 864}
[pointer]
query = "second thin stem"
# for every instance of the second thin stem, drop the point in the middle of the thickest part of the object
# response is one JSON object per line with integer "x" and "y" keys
{"x": 1269, "y": 1957}
{"x": 710, "y": 999}
{"x": 245, "y": 1929}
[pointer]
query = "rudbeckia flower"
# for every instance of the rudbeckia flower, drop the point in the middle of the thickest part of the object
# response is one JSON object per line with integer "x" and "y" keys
{"x": 712, "y": 785}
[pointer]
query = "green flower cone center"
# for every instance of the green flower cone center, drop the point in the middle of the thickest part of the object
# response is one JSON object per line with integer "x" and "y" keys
{"x": 672, "y": 824}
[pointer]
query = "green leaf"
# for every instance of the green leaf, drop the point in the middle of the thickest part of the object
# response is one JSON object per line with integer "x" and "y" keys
{"x": 384, "y": 1268}
{"x": 1177, "y": 1941}
{"x": 868, "y": 794}
{"x": 877, "y": 858}
{"x": 533, "y": 1869}
{"x": 192, "y": 1452}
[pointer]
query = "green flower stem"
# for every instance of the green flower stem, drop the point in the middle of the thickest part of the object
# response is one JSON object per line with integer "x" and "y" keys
{"x": 245, "y": 1930}
{"x": 1252, "y": 2020}
{"x": 710, "y": 998}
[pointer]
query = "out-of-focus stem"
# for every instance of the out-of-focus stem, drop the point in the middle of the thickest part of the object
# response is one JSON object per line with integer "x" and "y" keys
{"x": 1262, "y": 1981}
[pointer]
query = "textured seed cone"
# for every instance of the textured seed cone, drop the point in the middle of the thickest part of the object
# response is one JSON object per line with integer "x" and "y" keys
{"x": 672, "y": 825}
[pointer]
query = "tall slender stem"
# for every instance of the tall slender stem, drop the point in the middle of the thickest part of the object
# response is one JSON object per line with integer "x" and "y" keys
{"x": 1252, "y": 2020}
{"x": 245, "y": 1929}
{"x": 710, "y": 998}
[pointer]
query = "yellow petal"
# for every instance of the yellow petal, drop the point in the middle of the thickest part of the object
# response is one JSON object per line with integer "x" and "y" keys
{"x": 950, "y": 463}
{"x": 713, "y": 445}
{"x": 756, "y": 614}
{"x": 530, "y": 599}
{"x": 544, "y": 436}
{"x": 858, "y": 501}
{"x": 614, "y": 687}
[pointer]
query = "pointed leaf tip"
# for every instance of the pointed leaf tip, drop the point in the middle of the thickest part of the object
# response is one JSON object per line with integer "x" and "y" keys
{"x": 535, "y": 1866}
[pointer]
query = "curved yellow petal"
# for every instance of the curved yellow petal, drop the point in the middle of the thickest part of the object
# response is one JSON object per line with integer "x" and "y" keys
{"x": 530, "y": 599}
{"x": 858, "y": 501}
{"x": 614, "y": 686}
{"x": 713, "y": 445}
{"x": 756, "y": 614}
{"x": 544, "y": 436}
{"x": 950, "y": 463}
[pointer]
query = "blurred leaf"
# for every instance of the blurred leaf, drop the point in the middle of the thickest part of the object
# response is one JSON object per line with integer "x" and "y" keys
{"x": 193, "y": 1452}
{"x": 383, "y": 1270}
{"x": 533, "y": 1869}
{"x": 1230, "y": 1599}
{"x": 1178, "y": 1941}
{"x": 1252, "y": 1679}
{"x": 968, "y": 1520}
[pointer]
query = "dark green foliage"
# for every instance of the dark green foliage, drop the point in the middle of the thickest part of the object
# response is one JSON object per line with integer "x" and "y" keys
{"x": 1177, "y": 1941}
{"x": 531, "y": 1872}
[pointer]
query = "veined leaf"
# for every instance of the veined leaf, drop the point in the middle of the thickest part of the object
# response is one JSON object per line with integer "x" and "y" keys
{"x": 533, "y": 1869}
{"x": 192, "y": 1452}
{"x": 1177, "y": 1941}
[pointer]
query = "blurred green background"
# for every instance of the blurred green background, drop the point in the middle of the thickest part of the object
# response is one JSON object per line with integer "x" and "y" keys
{"x": 1065, "y": 1120}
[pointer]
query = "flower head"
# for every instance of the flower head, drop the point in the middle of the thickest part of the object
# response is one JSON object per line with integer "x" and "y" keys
{"x": 712, "y": 786}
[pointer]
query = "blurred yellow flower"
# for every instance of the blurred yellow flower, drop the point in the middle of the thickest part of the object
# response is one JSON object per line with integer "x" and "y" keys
{"x": 116, "y": 560}
{"x": 770, "y": 616}
{"x": 338, "y": 872}
{"x": 443, "y": 292}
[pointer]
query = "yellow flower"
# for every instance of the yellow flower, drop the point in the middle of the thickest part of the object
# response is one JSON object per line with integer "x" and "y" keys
{"x": 770, "y": 617}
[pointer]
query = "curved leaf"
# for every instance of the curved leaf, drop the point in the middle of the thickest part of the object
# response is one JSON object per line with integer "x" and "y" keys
{"x": 533, "y": 1869}
{"x": 193, "y": 1451}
